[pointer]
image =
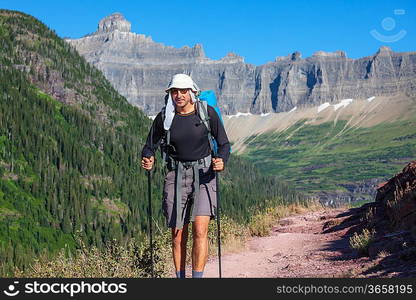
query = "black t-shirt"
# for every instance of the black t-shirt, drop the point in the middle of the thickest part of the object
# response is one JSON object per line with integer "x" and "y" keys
{"x": 189, "y": 136}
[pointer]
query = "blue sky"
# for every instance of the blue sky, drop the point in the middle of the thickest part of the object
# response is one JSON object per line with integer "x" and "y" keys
{"x": 257, "y": 30}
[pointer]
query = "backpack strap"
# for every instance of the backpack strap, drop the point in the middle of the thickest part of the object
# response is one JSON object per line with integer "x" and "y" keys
{"x": 165, "y": 145}
{"x": 202, "y": 108}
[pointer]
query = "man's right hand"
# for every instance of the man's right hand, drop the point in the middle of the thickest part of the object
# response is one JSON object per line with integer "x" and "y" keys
{"x": 147, "y": 162}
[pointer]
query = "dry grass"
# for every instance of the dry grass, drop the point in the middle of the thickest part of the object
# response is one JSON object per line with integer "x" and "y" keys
{"x": 133, "y": 260}
{"x": 362, "y": 241}
{"x": 383, "y": 254}
{"x": 262, "y": 222}
{"x": 233, "y": 235}
{"x": 332, "y": 223}
{"x": 114, "y": 261}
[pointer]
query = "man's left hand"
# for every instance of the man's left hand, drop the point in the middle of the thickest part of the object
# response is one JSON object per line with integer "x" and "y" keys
{"x": 217, "y": 164}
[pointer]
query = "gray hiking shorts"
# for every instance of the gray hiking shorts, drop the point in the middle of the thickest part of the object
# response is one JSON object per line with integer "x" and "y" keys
{"x": 207, "y": 201}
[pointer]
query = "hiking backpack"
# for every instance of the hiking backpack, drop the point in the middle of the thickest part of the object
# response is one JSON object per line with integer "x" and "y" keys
{"x": 204, "y": 99}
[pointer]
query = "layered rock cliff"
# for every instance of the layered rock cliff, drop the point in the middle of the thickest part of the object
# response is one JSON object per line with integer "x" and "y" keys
{"x": 140, "y": 70}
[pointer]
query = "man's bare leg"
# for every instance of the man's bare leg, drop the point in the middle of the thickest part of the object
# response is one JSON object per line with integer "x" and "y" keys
{"x": 200, "y": 243}
{"x": 179, "y": 240}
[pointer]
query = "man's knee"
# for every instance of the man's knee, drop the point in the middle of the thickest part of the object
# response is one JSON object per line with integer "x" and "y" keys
{"x": 200, "y": 232}
{"x": 179, "y": 236}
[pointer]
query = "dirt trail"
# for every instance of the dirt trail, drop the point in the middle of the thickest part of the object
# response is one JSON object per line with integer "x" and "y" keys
{"x": 299, "y": 246}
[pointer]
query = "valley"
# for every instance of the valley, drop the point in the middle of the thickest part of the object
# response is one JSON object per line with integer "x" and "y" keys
{"x": 338, "y": 154}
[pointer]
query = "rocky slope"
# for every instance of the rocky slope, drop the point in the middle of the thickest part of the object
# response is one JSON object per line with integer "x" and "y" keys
{"x": 140, "y": 68}
{"x": 397, "y": 198}
{"x": 392, "y": 220}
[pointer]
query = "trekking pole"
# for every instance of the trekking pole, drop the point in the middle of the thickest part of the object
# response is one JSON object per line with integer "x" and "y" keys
{"x": 218, "y": 223}
{"x": 149, "y": 191}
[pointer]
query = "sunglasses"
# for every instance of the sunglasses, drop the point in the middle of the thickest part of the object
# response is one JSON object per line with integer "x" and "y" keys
{"x": 182, "y": 91}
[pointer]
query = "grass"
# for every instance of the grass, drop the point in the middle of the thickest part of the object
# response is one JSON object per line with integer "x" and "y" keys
{"x": 358, "y": 203}
{"x": 115, "y": 260}
{"x": 316, "y": 158}
{"x": 262, "y": 222}
{"x": 361, "y": 242}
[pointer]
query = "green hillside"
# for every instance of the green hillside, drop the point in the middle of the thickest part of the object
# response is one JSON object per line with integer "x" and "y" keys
{"x": 64, "y": 168}
{"x": 330, "y": 156}
{"x": 69, "y": 153}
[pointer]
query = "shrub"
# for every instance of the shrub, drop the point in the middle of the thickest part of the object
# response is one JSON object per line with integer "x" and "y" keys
{"x": 114, "y": 261}
{"x": 361, "y": 242}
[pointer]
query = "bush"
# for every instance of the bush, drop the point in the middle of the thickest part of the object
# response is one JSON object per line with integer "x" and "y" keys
{"x": 114, "y": 261}
{"x": 361, "y": 242}
{"x": 262, "y": 221}
{"x": 233, "y": 235}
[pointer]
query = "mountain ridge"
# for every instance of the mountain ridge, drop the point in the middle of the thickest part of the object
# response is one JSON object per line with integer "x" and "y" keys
{"x": 140, "y": 68}
{"x": 358, "y": 112}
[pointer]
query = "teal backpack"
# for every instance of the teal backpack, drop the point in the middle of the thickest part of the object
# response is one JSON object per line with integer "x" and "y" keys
{"x": 208, "y": 98}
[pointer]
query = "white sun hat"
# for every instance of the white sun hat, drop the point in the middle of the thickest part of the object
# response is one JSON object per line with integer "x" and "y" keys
{"x": 182, "y": 81}
{"x": 179, "y": 81}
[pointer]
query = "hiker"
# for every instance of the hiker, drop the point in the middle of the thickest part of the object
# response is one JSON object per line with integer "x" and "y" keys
{"x": 191, "y": 177}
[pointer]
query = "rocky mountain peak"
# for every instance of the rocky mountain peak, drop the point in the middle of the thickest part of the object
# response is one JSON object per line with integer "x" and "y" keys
{"x": 384, "y": 50}
{"x": 338, "y": 53}
{"x": 115, "y": 21}
{"x": 296, "y": 56}
{"x": 232, "y": 58}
